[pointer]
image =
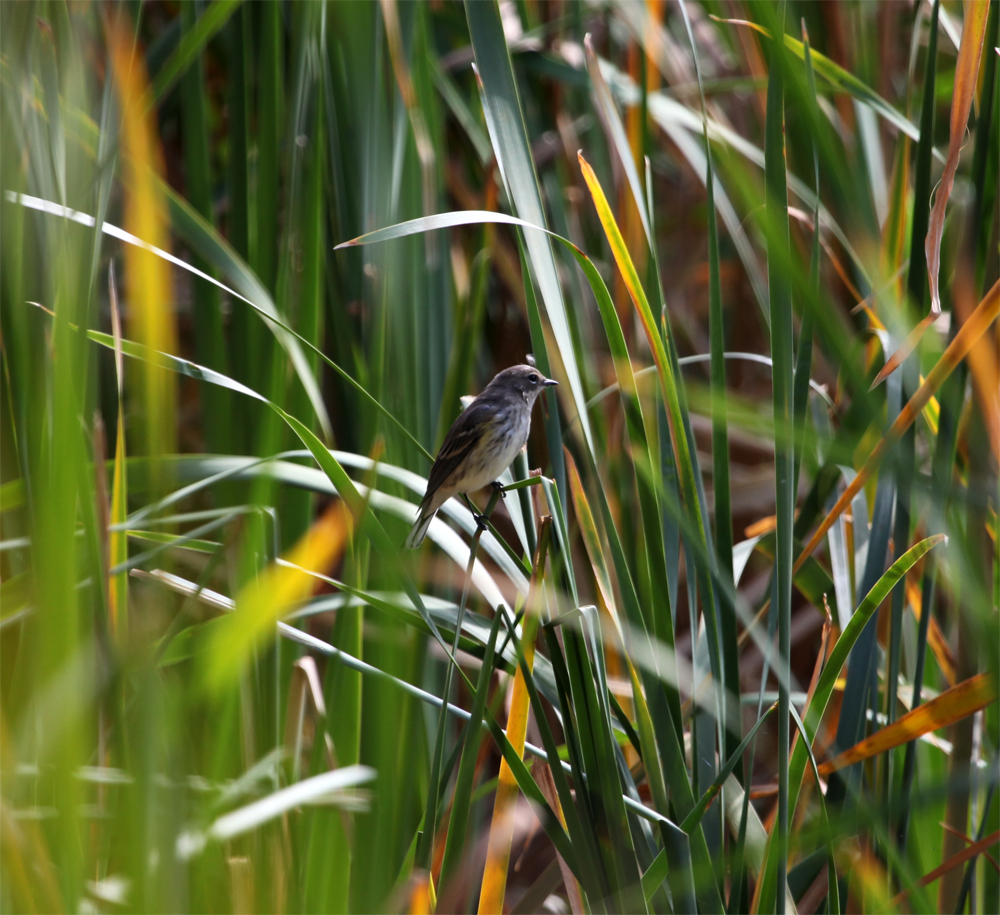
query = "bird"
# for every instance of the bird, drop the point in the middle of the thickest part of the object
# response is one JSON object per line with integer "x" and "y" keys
{"x": 482, "y": 442}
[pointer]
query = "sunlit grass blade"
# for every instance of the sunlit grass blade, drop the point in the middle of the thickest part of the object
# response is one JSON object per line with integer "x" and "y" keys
{"x": 150, "y": 320}
{"x": 956, "y": 703}
{"x": 264, "y": 601}
{"x": 669, "y": 385}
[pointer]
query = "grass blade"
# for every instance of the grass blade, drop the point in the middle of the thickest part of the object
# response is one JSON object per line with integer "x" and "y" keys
{"x": 190, "y": 47}
{"x": 784, "y": 458}
{"x": 954, "y": 704}
{"x": 510, "y": 145}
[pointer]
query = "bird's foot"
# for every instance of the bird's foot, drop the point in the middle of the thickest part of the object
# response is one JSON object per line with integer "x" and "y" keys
{"x": 498, "y": 486}
{"x": 482, "y": 522}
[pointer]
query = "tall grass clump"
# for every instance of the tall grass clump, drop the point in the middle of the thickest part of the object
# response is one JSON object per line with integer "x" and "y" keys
{"x": 729, "y": 642}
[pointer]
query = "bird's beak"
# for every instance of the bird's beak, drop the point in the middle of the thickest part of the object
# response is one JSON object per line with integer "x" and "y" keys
{"x": 549, "y": 382}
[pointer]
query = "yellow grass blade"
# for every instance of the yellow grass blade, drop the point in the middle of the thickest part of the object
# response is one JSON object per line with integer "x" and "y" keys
{"x": 118, "y": 539}
{"x": 502, "y": 827}
{"x": 978, "y": 323}
{"x": 952, "y": 705}
{"x": 264, "y": 600}
{"x": 148, "y": 279}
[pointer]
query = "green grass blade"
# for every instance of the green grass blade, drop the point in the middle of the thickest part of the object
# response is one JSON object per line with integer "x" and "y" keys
{"x": 510, "y": 145}
{"x": 210, "y": 340}
{"x": 781, "y": 354}
{"x": 189, "y": 49}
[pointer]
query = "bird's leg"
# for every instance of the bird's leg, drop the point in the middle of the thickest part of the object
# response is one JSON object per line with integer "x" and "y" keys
{"x": 498, "y": 487}
{"x": 482, "y": 522}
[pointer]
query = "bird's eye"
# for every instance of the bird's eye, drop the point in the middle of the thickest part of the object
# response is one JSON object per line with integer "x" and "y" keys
{"x": 533, "y": 378}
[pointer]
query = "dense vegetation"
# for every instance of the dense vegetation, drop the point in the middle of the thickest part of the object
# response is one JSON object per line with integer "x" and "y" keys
{"x": 734, "y": 648}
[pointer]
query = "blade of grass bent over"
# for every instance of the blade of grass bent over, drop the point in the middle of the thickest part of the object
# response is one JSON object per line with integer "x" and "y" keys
{"x": 215, "y": 250}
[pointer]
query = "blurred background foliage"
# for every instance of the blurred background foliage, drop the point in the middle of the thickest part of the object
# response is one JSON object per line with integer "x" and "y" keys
{"x": 768, "y": 501}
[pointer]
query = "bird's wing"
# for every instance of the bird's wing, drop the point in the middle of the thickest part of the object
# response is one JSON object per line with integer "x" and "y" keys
{"x": 461, "y": 439}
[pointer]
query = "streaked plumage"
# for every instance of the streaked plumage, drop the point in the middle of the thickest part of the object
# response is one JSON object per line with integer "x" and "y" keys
{"x": 482, "y": 442}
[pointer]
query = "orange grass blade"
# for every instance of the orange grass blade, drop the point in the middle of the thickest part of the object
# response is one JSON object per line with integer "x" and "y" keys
{"x": 966, "y": 71}
{"x": 502, "y": 827}
{"x": 952, "y": 705}
{"x": 953, "y": 862}
{"x": 935, "y": 637}
{"x": 979, "y": 321}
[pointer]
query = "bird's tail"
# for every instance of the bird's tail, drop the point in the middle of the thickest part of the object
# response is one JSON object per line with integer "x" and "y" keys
{"x": 419, "y": 530}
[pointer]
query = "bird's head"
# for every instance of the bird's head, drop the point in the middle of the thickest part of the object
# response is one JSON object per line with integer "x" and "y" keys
{"x": 524, "y": 380}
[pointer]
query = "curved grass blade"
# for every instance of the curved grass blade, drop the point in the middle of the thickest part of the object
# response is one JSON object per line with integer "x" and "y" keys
{"x": 266, "y": 598}
{"x": 342, "y": 483}
{"x": 215, "y": 250}
{"x": 671, "y": 395}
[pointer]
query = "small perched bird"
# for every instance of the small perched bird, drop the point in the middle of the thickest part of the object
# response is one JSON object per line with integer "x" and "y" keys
{"x": 482, "y": 442}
